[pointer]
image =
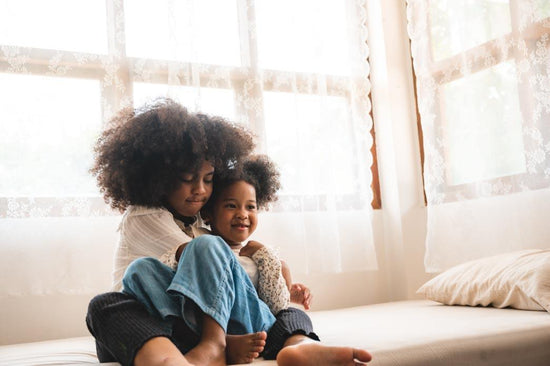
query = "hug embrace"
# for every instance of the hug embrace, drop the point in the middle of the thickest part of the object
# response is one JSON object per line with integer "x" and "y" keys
{"x": 190, "y": 288}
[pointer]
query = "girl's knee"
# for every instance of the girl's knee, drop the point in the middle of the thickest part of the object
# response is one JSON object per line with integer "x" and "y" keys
{"x": 210, "y": 245}
{"x": 100, "y": 302}
{"x": 100, "y": 306}
{"x": 140, "y": 270}
{"x": 207, "y": 251}
{"x": 142, "y": 266}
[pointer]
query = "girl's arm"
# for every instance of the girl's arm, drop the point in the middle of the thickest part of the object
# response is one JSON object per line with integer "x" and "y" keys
{"x": 272, "y": 287}
{"x": 285, "y": 269}
{"x": 179, "y": 250}
{"x": 299, "y": 293}
{"x": 172, "y": 257}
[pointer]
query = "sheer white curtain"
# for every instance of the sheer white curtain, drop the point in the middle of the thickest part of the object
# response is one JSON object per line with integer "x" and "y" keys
{"x": 483, "y": 80}
{"x": 295, "y": 72}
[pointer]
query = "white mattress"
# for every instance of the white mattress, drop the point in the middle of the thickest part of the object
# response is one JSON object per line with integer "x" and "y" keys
{"x": 70, "y": 351}
{"x": 411, "y": 333}
{"x": 406, "y": 333}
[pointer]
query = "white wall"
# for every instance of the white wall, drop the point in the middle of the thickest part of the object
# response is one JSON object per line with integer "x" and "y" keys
{"x": 50, "y": 268}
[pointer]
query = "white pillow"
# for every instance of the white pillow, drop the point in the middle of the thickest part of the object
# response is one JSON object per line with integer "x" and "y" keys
{"x": 519, "y": 280}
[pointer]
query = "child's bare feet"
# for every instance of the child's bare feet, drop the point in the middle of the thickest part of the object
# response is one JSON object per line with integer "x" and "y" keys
{"x": 305, "y": 352}
{"x": 211, "y": 349}
{"x": 207, "y": 353}
{"x": 244, "y": 348}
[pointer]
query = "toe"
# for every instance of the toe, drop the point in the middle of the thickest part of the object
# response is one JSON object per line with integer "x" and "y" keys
{"x": 259, "y": 343}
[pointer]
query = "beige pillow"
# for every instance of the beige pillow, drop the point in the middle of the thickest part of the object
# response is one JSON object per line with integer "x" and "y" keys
{"x": 519, "y": 280}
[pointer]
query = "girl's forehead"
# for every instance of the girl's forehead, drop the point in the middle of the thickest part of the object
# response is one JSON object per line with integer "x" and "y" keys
{"x": 206, "y": 166}
{"x": 239, "y": 187}
{"x": 201, "y": 169}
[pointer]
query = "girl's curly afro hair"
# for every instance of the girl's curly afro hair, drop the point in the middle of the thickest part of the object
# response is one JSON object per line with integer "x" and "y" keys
{"x": 139, "y": 160}
{"x": 256, "y": 170}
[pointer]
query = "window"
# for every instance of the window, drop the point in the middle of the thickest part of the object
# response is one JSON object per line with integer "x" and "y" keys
{"x": 482, "y": 82}
{"x": 481, "y": 76}
{"x": 67, "y": 66}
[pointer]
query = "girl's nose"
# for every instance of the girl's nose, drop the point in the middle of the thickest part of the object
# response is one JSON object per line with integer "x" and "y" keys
{"x": 199, "y": 187}
{"x": 241, "y": 214}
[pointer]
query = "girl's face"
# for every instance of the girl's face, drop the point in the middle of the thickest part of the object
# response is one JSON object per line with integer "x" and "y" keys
{"x": 235, "y": 216}
{"x": 194, "y": 191}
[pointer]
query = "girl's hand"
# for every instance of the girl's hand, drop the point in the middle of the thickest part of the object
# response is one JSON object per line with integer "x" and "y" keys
{"x": 250, "y": 248}
{"x": 180, "y": 250}
{"x": 300, "y": 294}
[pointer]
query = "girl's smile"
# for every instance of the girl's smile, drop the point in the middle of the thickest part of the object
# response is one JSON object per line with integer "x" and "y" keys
{"x": 241, "y": 226}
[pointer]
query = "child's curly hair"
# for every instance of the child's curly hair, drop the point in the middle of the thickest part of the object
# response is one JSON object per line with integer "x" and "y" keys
{"x": 256, "y": 170}
{"x": 140, "y": 159}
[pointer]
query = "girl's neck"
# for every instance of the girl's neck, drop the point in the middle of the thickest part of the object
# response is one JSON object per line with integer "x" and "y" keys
{"x": 185, "y": 219}
{"x": 234, "y": 245}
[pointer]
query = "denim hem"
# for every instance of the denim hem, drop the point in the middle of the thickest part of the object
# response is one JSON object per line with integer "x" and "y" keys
{"x": 212, "y": 311}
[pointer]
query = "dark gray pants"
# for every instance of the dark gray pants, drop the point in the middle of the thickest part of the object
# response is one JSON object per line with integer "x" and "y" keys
{"x": 121, "y": 326}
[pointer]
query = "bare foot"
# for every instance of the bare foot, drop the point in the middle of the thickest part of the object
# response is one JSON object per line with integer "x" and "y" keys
{"x": 160, "y": 351}
{"x": 207, "y": 353}
{"x": 244, "y": 348}
{"x": 316, "y": 354}
{"x": 171, "y": 361}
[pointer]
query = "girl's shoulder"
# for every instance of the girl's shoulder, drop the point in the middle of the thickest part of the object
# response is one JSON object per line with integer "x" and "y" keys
{"x": 132, "y": 211}
{"x": 200, "y": 230}
{"x": 139, "y": 215}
